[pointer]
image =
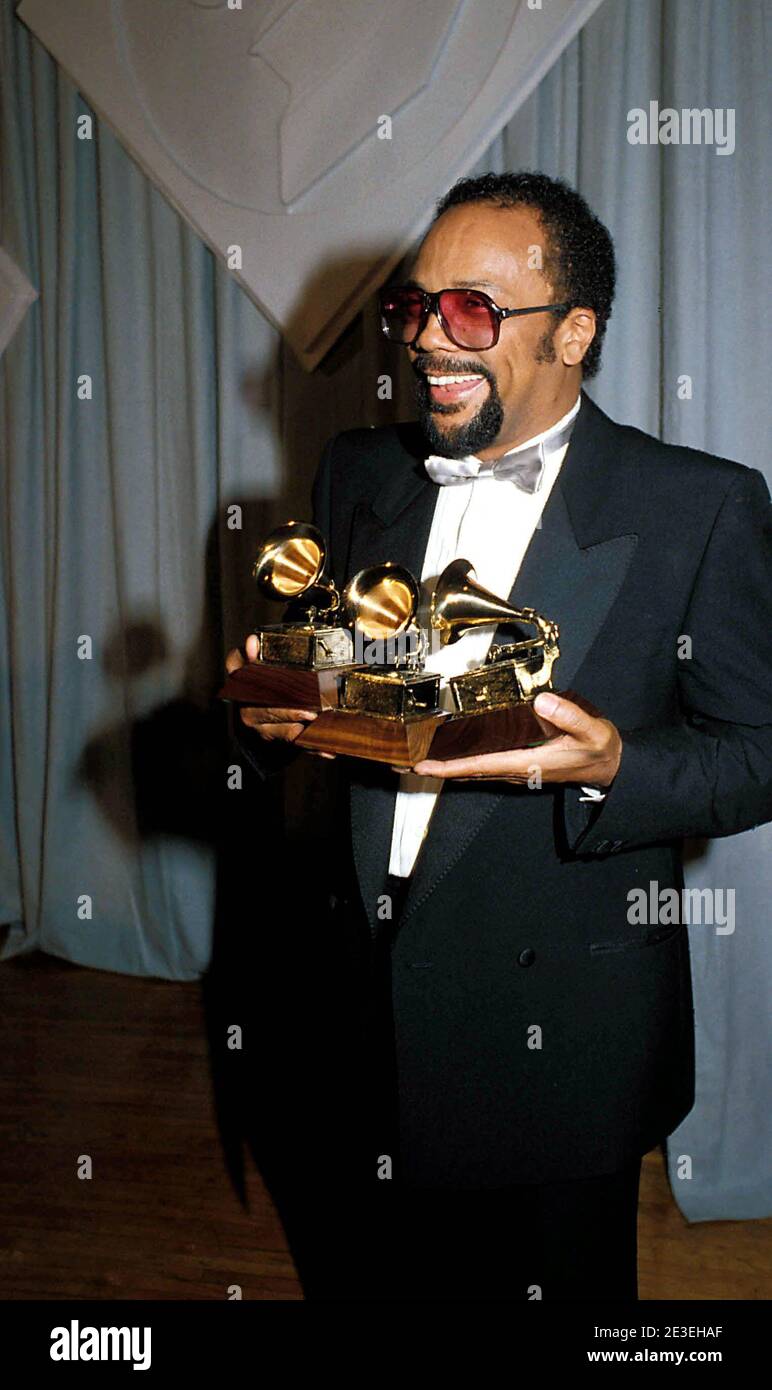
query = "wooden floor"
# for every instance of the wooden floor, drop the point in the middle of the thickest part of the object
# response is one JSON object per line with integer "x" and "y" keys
{"x": 117, "y": 1068}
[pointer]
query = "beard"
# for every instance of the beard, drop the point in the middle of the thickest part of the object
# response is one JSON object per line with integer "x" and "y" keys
{"x": 478, "y": 433}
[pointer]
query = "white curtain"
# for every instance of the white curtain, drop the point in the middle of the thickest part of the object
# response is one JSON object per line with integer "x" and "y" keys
{"x": 117, "y": 525}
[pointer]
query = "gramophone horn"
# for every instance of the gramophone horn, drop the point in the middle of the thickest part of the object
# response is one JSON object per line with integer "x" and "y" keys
{"x": 381, "y": 600}
{"x": 460, "y": 603}
{"x": 291, "y": 560}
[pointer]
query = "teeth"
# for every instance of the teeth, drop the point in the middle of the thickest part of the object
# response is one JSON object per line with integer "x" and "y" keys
{"x": 450, "y": 380}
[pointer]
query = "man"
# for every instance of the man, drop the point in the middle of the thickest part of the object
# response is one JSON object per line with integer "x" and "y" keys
{"x": 542, "y": 1034}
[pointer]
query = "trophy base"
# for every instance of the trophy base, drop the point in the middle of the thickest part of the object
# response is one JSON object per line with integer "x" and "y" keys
{"x": 399, "y": 742}
{"x": 288, "y": 687}
{"x": 497, "y": 730}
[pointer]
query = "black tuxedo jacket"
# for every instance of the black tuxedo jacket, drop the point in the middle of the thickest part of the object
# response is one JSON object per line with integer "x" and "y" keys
{"x": 541, "y": 1032}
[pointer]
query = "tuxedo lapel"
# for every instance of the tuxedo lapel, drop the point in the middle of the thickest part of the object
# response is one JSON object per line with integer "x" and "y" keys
{"x": 572, "y": 572}
{"x": 572, "y": 584}
{"x": 392, "y": 529}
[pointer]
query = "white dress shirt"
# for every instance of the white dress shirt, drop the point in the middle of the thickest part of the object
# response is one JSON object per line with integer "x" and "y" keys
{"x": 490, "y": 523}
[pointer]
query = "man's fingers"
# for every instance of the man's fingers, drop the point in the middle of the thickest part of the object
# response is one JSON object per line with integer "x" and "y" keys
{"x": 508, "y": 764}
{"x": 234, "y": 661}
{"x": 516, "y": 763}
{"x": 273, "y": 733}
{"x": 255, "y": 714}
{"x": 564, "y": 715}
{"x": 236, "y": 658}
{"x": 274, "y": 724}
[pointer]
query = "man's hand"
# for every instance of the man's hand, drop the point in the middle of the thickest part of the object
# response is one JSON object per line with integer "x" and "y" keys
{"x": 589, "y": 751}
{"x": 270, "y": 724}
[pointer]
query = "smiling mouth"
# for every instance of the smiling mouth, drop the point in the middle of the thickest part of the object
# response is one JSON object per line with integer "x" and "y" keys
{"x": 446, "y": 388}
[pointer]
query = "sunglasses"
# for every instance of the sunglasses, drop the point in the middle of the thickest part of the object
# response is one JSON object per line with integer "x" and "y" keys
{"x": 469, "y": 318}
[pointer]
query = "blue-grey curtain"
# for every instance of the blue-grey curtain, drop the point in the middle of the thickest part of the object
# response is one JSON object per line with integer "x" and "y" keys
{"x": 119, "y": 524}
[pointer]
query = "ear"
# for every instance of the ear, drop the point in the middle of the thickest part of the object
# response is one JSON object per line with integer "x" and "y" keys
{"x": 575, "y": 334}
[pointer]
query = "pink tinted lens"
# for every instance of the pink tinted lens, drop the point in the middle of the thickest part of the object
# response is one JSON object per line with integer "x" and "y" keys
{"x": 469, "y": 318}
{"x": 402, "y": 313}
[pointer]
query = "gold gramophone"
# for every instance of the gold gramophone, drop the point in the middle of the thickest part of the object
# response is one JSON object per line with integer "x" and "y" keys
{"x": 513, "y": 671}
{"x": 290, "y": 567}
{"x": 388, "y": 705}
{"x": 493, "y": 702}
{"x": 300, "y": 658}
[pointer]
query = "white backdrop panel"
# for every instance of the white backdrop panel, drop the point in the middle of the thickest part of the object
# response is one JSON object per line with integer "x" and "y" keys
{"x": 264, "y": 125}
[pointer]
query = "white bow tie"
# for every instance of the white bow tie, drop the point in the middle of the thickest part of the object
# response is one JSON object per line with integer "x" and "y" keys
{"x": 524, "y": 466}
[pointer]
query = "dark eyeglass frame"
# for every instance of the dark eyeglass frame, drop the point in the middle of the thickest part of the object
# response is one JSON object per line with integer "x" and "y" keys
{"x": 431, "y": 305}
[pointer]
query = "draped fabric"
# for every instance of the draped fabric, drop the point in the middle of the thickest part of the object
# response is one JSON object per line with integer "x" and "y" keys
{"x": 154, "y": 427}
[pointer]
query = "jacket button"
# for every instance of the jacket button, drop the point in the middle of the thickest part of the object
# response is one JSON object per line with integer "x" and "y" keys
{"x": 527, "y": 957}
